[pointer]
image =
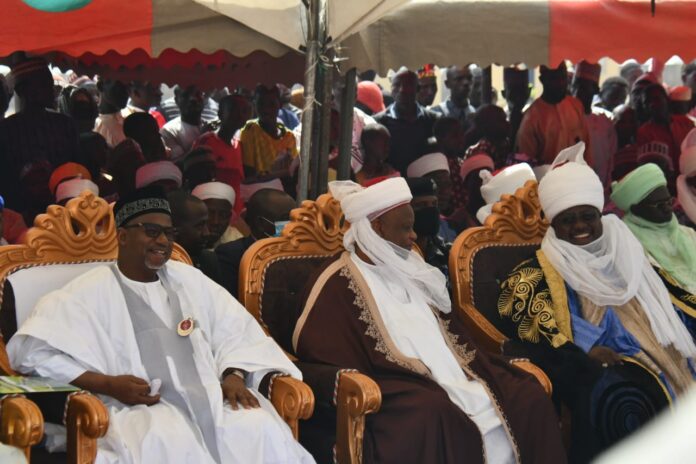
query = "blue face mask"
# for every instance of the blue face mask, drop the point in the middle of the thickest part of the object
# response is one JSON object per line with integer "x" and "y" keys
{"x": 279, "y": 226}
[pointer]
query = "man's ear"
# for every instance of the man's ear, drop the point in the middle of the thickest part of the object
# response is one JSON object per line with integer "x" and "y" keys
{"x": 121, "y": 236}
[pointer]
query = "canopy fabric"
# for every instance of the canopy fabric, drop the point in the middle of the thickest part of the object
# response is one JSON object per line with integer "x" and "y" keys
{"x": 171, "y": 41}
{"x": 522, "y": 31}
{"x": 286, "y": 20}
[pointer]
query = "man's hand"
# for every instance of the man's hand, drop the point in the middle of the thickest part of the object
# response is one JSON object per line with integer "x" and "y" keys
{"x": 131, "y": 390}
{"x": 237, "y": 393}
{"x": 604, "y": 356}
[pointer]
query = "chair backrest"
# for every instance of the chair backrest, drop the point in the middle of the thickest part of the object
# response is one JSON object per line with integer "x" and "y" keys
{"x": 65, "y": 242}
{"x": 482, "y": 257}
{"x": 273, "y": 272}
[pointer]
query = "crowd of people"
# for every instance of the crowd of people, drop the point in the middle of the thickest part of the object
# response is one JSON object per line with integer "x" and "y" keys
{"x": 609, "y": 299}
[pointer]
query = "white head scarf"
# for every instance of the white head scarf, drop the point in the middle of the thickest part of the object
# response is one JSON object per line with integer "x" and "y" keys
{"x": 687, "y": 168}
{"x": 504, "y": 182}
{"x": 403, "y": 267}
{"x": 614, "y": 268}
{"x": 72, "y": 188}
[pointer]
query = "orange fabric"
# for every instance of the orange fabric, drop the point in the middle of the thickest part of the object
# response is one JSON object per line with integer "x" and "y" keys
{"x": 592, "y": 29}
{"x": 100, "y": 26}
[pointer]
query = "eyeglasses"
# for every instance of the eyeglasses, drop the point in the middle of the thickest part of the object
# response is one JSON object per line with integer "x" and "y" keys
{"x": 659, "y": 204}
{"x": 155, "y": 230}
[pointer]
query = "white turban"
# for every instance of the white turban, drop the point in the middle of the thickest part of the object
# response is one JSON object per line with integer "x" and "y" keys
{"x": 570, "y": 182}
{"x": 358, "y": 202}
{"x": 72, "y": 188}
{"x": 402, "y": 267}
{"x": 504, "y": 182}
{"x": 216, "y": 191}
{"x": 247, "y": 190}
{"x": 159, "y": 170}
{"x": 472, "y": 163}
{"x": 427, "y": 164}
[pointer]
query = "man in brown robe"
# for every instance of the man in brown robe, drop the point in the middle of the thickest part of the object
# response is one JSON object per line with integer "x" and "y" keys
{"x": 443, "y": 400}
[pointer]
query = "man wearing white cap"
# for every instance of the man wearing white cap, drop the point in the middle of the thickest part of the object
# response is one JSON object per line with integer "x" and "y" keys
{"x": 494, "y": 186}
{"x": 601, "y": 129}
{"x": 162, "y": 173}
{"x": 436, "y": 167}
{"x": 590, "y": 310}
{"x": 686, "y": 182}
{"x": 220, "y": 199}
{"x": 73, "y": 188}
{"x": 381, "y": 309}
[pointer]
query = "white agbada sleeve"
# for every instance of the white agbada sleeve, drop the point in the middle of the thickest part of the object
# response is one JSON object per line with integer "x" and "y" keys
{"x": 238, "y": 341}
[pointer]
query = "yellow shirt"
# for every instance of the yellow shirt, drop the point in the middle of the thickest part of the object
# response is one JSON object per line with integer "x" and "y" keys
{"x": 260, "y": 150}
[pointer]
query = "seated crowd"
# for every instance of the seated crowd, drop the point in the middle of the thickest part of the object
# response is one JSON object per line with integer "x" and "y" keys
{"x": 608, "y": 299}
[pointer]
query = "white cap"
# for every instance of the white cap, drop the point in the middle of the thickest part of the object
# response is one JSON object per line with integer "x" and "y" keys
{"x": 72, "y": 188}
{"x": 427, "y": 164}
{"x": 247, "y": 190}
{"x": 215, "y": 190}
{"x": 159, "y": 170}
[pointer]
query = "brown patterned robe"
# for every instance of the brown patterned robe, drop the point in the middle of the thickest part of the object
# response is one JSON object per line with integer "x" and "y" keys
{"x": 418, "y": 423}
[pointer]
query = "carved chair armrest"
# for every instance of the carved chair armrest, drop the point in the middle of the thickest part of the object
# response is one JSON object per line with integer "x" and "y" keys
{"x": 531, "y": 368}
{"x": 293, "y": 399}
{"x": 86, "y": 419}
{"x": 356, "y": 396}
{"x": 21, "y": 423}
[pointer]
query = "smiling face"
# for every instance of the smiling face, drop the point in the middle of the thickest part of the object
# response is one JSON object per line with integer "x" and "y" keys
{"x": 578, "y": 225}
{"x": 140, "y": 256}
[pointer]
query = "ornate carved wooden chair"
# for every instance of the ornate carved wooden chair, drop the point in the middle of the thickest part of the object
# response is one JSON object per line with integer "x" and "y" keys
{"x": 64, "y": 243}
{"x": 273, "y": 275}
{"x": 21, "y": 421}
{"x": 481, "y": 259}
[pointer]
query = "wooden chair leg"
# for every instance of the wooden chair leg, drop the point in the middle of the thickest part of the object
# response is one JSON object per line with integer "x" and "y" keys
{"x": 356, "y": 396}
{"x": 86, "y": 420}
{"x": 293, "y": 399}
{"x": 21, "y": 424}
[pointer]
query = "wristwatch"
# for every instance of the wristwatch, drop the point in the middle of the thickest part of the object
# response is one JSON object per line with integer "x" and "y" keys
{"x": 234, "y": 371}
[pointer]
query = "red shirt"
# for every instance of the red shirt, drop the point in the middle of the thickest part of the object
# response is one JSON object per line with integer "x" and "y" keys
{"x": 228, "y": 160}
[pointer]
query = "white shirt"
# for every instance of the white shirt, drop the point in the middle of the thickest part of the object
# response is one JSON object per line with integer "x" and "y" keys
{"x": 110, "y": 126}
{"x": 179, "y": 136}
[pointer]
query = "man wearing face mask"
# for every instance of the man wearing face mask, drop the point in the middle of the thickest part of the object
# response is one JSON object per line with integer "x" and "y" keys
{"x": 591, "y": 312}
{"x": 267, "y": 212}
{"x": 671, "y": 247}
{"x": 378, "y": 307}
{"x": 426, "y": 223}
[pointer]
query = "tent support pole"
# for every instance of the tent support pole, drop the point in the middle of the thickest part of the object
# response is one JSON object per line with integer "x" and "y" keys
{"x": 322, "y": 176}
{"x": 486, "y": 86}
{"x": 346, "y": 139}
{"x": 311, "y": 63}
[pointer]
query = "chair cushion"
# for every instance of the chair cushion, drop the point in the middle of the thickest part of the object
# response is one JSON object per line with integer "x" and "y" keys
{"x": 491, "y": 267}
{"x": 283, "y": 288}
{"x": 30, "y": 284}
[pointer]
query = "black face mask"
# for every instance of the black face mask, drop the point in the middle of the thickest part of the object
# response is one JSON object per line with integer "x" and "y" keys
{"x": 427, "y": 221}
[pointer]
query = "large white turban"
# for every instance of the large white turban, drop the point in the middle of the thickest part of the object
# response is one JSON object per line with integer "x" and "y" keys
{"x": 359, "y": 203}
{"x": 158, "y": 170}
{"x": 216, "y": 191}
{"x": 73, "y": 188}
{"x": 393, "y": 263}
{"x": 504, "y": 182}
{"x": 570, "y": 182}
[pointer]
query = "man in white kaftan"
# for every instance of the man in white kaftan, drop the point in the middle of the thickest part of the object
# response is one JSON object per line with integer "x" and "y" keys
{"x": 89, "y": 327}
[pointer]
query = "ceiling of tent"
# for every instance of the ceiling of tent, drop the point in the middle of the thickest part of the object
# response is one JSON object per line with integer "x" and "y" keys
{"x": 522, "y": 31}
{"x": 285, "y": 20}
{"x": 174, "y": 41}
